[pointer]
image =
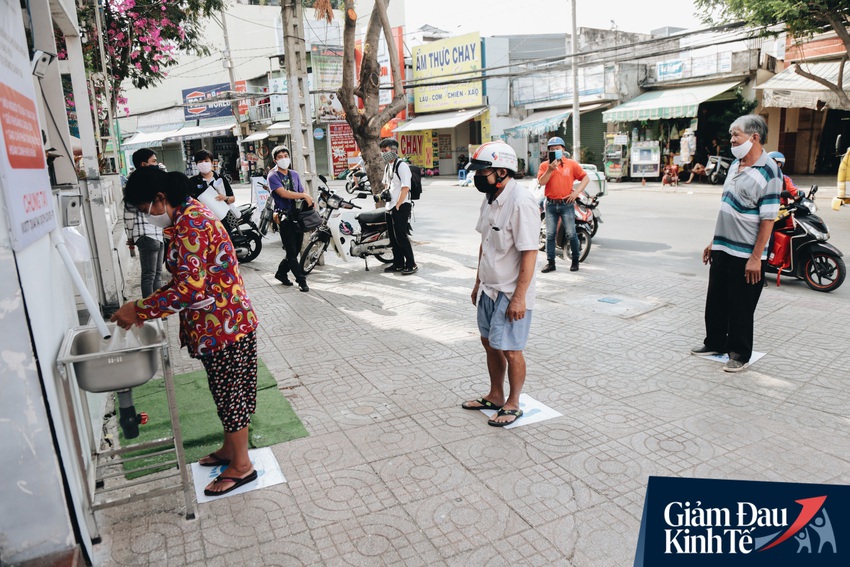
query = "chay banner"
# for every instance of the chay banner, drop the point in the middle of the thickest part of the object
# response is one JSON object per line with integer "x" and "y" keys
{"x": 448, "y": 60}
{"x": 706, "y": 522}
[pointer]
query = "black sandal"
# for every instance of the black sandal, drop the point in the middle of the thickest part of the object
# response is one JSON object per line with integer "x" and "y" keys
{"x": 485, "y": 404}
{"x": 502, "y": 412}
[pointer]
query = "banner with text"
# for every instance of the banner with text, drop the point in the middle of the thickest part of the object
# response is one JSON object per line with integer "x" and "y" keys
{"x": 441, "y": 61}
{"x": 707, "y": 522}
{"x": 343, "y": 147}
{"x": 196, "y": 107}
{"x": 23, "y": 167}
{"x": 418, "y": 146}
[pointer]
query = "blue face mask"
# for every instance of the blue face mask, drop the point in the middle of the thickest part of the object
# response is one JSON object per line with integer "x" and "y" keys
{"x": 559, "y": 154}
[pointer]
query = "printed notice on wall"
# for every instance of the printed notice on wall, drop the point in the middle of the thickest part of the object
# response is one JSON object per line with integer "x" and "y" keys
{"x": 23, "y": 168}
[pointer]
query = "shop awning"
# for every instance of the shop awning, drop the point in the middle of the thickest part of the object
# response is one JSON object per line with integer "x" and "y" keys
{"x": 256, "y": 137}
{"x": 790, "y": 90}
{"x": 440, "y": 120}
{"x": 667, "y": 103}
{"x": 197, "y": 132}
{"x": 541, "y": 122}
{"x": 143, "y": 139}
{"x": 278, "y": 128}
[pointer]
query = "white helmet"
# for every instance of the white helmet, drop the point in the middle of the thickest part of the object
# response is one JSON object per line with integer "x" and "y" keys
{"x": 493, "y": 155}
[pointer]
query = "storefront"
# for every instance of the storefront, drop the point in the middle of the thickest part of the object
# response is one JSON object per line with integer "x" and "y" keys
{"x": 656, "y": 122}
{"x": 439, "y": 143}
{"x": 539, "y": 126}
{"x": 813, "y": 134}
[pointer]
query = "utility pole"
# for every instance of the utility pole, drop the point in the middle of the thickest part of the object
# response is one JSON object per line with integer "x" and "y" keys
{"x": 298, "y": 93}
{"x": 576, "y": 109}
{"x": 234, "y": 105}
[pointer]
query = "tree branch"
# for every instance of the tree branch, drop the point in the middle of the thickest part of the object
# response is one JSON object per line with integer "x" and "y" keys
{"x": 838, "y": 26}
{"x": 842, "y": 96}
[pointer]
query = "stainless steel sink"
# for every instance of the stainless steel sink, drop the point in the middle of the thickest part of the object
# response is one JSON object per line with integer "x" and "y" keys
{"x": 99, "y": 370}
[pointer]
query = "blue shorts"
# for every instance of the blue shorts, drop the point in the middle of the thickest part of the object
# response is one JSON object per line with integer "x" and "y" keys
{"x": 502, "y": 334}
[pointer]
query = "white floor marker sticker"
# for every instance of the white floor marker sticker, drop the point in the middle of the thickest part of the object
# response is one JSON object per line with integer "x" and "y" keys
{"x": 724, "y": 358}
{"x": 532, "y": 412}
{"x": 265, "y": 463}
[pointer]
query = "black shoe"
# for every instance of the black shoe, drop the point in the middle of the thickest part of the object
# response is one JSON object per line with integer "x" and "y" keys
{"x": 393, "y": 269}
{"x": 703, "y": 350}
{"x": 550, "y": 267}
{"x": 574, "y": 265}
{"x": 283, "y": 279}
{"x": 303, "y": 286}
{"x": 410, "y": 270}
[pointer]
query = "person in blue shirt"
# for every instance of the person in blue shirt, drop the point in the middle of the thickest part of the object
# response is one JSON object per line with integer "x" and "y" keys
{"x": 288, "y": 191}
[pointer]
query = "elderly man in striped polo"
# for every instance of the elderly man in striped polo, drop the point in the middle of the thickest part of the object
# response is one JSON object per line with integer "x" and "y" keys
{"x": 737, "y": 253}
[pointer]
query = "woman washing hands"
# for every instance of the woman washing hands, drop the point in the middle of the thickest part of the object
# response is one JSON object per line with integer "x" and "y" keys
{"x": 205, "y": 285}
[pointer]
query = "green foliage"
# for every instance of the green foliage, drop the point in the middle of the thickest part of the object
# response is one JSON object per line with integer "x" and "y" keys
{"x": 803, "y": 18}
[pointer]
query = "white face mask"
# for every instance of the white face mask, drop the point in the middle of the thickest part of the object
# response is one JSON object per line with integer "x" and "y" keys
{"x": 743, "y": 149}
{"x": 284, "y": 163}
{"x": 162, "y": 221}
{"x": 205, "y": 167}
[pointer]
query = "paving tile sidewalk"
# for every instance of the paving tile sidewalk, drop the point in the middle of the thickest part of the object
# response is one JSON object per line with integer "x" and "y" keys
{"x": 395, "y": 473}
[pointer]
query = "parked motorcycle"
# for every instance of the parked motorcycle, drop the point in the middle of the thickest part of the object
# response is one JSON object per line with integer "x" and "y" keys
{"x": 246, "y": 237}
{"x": 801, "y": 250}
{"x": 357, "y": 182}
{"x": 717, "y": 168}
{"x": 353, "y": 234}
{"x": 587, "y": 211}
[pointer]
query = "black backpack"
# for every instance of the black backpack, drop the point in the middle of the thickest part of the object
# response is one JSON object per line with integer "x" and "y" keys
{"x": 415, "y": 179}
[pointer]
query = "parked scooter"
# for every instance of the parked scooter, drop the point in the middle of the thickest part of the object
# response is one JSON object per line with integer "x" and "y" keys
{"x": 357, "y": 182}
{"x": 353, "y": 234}
{"x": 587, "y": 211}
{"x": 801, "y": 250}
{"x": 717, "y": 168}
{"x": 246, "y": 237}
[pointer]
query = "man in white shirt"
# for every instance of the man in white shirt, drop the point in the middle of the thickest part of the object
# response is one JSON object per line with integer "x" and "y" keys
{"x": 143, "y": 235}
{"x": 504, "y": 292}
{"x": 397, "y": 182}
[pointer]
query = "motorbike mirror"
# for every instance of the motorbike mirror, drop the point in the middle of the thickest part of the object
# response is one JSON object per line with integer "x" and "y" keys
{"x": 322, "y": 177}
{"x": 362, "y": 195}
{"x": 812, "y": 191}
{"x": 838, "y": 145}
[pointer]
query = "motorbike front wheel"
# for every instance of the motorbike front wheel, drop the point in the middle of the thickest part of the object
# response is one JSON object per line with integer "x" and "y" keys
{"x": 250, "y": 249}
{"x": 385, "y": 258}
{"x": 312, "y": 253}
{"x": 714, "y": 177}
{"x": 824, "y": 271}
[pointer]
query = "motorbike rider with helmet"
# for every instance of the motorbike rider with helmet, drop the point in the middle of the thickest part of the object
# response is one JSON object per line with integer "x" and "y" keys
{"x": 504, "y": 291}
{"x": 558, "y": 176}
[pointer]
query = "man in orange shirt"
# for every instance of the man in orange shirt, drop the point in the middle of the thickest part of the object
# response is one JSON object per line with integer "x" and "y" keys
{"x": 558, "y": 176}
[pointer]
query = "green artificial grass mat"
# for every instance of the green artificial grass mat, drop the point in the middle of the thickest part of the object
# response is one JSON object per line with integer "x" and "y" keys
{"x": 273, "y": 422}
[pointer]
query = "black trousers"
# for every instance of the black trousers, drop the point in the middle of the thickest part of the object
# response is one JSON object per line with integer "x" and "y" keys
{"x": 398, "y": 228}
{"x": 292, "y": 238}
{"x": 730, "y": 306}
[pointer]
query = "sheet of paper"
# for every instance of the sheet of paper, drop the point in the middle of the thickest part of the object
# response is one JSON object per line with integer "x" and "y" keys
{"x": 265, "y": 463}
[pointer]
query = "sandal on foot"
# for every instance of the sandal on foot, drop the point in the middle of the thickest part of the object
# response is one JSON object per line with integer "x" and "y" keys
{"x": 485, "y": 404}
{"x": 237, "y": 482}
{"x": 215, "y": 462}
{"x": 517, "y": 413}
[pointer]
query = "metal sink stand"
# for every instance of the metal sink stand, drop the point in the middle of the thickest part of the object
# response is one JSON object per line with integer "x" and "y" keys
{"x": 98, "y": 467}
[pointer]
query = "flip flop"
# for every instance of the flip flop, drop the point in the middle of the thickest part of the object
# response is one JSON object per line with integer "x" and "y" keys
{"x": 237, "y": 482}
{"x": 515, "y": 412}
{"x": 216, "y": 461}
{"x": 485, "y": 404}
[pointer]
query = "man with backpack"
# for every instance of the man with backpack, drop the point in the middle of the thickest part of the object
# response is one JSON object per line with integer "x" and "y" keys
{"x": 398, "y": 180}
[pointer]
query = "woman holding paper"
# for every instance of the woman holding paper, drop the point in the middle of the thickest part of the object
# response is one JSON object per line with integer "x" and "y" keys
{"x": 217, "y": 322}
{"x": 287, "y": 191}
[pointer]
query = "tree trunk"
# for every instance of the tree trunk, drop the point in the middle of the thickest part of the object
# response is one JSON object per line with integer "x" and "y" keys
{"x": 366, "y": 123}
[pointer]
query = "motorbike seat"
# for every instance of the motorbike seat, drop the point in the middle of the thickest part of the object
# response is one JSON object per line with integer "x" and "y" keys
{"x": 372, "y": 217}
